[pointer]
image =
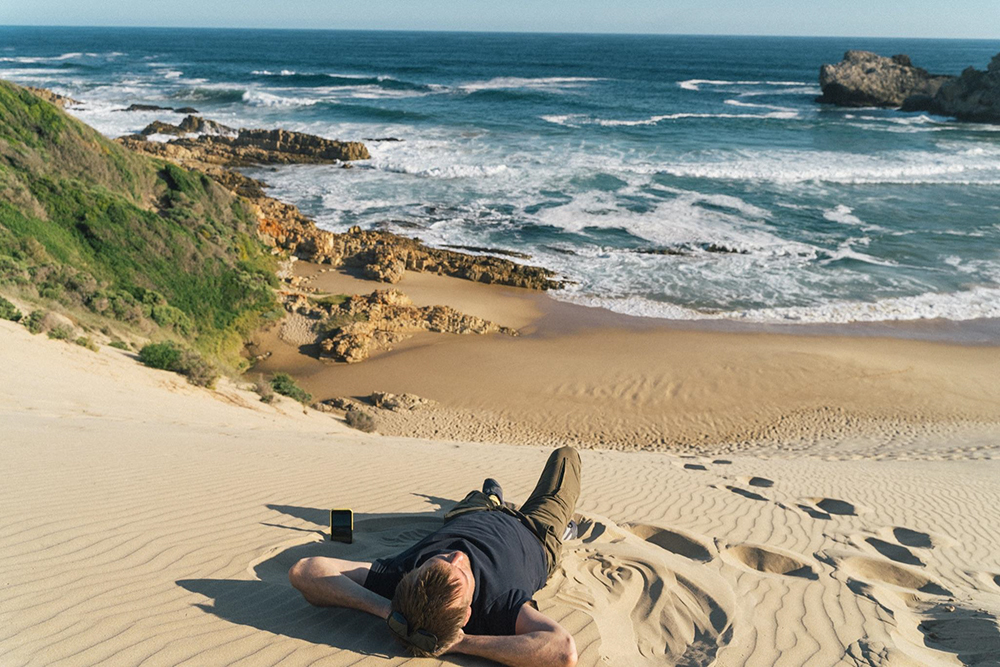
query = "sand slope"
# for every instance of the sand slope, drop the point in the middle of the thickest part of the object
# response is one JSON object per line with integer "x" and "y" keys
{"x": 148, "y": 522}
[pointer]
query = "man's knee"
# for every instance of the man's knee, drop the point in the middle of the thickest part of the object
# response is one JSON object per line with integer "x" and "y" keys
{"x": 568, "y": 453}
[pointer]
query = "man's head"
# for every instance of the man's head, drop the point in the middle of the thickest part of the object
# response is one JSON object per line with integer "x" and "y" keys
{"x": 436, "y": 599}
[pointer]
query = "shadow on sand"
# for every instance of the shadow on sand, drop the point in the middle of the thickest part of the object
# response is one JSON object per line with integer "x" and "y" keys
{"x": 269, "y": 603}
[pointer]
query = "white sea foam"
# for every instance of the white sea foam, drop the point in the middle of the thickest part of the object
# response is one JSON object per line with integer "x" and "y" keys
{"x": 259, "y": 98}
{"x": 695, "y": 84}
{"x": 844, "y": 215}
{"x": 902, "y": 167}
{"x": 548, "y": 84}
{"x": 577, "y": 120}
{"x": 977, "y": 303}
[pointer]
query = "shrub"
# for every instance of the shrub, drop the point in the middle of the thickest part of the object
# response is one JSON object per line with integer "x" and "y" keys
{"x": 33, "y": 322}
{"x": 61, "y": 332}
{"x": 120, "y": 345}
{"x": 87, "y": 342}
{"x": 196, "y": 369}
{"x": 264, "y": 389}
{"x": 285, "y": 385}
{"x": 360, "y": 420}
{"x": 169, "y": 356}
{"x": 160, "y": 355}
{"x": 9, "y": 311}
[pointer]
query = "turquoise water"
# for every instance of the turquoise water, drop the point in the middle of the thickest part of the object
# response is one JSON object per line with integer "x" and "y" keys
{"x": 672, "y": 176}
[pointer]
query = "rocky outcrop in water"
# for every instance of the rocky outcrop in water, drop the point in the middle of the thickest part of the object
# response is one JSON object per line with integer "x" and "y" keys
{"x": 865, "y": 79}
{"x": 190, "y": 125}
{"x": 156, "y": 107}
{"x": 377, "y": 255}
{"x": 974, "y": 96}
{"x": 249, "y": 147}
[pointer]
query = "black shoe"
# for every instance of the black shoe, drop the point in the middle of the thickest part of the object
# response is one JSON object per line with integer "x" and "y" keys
{"x": 571, "y": 532}
{"x": 492, "y": 488}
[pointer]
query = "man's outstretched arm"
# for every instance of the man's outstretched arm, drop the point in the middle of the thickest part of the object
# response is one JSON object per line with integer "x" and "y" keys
{"x": 539, "y": 642}
{"x": 334, "y": 582}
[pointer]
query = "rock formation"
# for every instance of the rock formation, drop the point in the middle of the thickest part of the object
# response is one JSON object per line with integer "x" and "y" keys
{"x": 190, "y": 125}
{"x": 248, "y": 147}
{"x": 60, "y": 101}
{"x": 363, "y": 324}
{"x": 156, "y": 107}
{"x": 378, "y": 255}
{"x": 865, "y": 79}
{"x": 399, "y": 402}
{"x": 974, "y": 96}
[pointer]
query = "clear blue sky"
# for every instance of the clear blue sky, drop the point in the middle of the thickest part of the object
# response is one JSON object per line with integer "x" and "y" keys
{"x": 882, "y": 18}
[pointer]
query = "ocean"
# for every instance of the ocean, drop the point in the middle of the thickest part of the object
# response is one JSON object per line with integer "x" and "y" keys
{"x": 684, "y": 177}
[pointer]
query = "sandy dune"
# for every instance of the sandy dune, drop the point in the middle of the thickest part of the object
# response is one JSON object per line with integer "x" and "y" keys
{"x": 149, "y": 522}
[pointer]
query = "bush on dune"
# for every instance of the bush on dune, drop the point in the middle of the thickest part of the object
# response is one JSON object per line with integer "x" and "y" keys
{"x": 285, "y": 385}
{"x": 9, "y": 311}
{"x": 169, "y": 356}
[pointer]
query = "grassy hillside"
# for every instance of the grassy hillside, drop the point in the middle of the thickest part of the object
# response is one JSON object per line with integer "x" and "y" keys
{"x": 89, "y": 224}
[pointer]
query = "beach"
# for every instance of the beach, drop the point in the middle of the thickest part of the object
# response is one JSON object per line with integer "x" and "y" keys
{"x": 149, "y": 521}
{"x": 589, "y": 377}
{"x": 770, "y": 327}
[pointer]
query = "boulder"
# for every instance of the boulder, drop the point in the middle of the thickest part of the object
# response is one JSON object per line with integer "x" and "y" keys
{"x": 197, "y": 124}
{"x": 974, "y": 96}
{"x": 865, "y": 79}
{"x": 157, "y": 127}
{"x": 399, "y": 402}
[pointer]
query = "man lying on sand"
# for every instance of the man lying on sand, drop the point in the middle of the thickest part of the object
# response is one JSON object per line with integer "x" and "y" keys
{"x": 468, "y": 587}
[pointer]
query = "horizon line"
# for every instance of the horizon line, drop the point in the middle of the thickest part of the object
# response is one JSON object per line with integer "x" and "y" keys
{"x": 496, "y": 32}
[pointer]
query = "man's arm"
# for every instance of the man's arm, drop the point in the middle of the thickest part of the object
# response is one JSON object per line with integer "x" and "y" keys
{"x": 539, "y": 642}
{"x": 334, "y": 582}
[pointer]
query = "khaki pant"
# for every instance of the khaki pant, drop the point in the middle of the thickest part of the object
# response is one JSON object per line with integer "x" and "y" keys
{"x": 548, "y": 509}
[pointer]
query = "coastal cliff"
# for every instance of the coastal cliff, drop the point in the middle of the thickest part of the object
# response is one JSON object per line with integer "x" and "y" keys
{"x": 139, "y": 244}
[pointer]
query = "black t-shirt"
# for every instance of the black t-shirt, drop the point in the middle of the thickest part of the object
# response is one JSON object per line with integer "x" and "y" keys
{"x": 507, "y": 561}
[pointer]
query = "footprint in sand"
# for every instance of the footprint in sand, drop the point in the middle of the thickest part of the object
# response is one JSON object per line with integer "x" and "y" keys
{"x": 834, "y": 506}
{"x": 647, "y": 610}
{"x": 694, "y": 466}
{"x": 894, "y": 552}
{"x": 674, "y": 541}
{"x": 877, "y": 571}
{"x": 814, "y": 513}
{"x": 722, "y": 462}
{"x": 759, "y": 482}
{"x": 916, "y": 539}
{"x": 996, "y": 580}
{"x": 769, "y": 561}
{"x": 746, "y": 494}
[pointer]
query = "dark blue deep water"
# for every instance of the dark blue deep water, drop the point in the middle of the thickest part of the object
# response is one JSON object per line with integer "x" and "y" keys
{"x": 590, "y": 151}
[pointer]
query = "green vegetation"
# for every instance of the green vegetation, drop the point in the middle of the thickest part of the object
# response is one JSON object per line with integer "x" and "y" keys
{"x": 9, "y": 311}
{"x": 33, "y": 323}
{"x": 61, "y": 332}
{"x": 285, "y": 385}
{"x": 90, "y": 225}
{"x": 360, "y": 420}
{"x": 169, "y": 356}
{"x": 330, "y": 299}
{"x": 120, "y": 345}
{"x": 164, "y": 356}
{"x": 87, "y": 342}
